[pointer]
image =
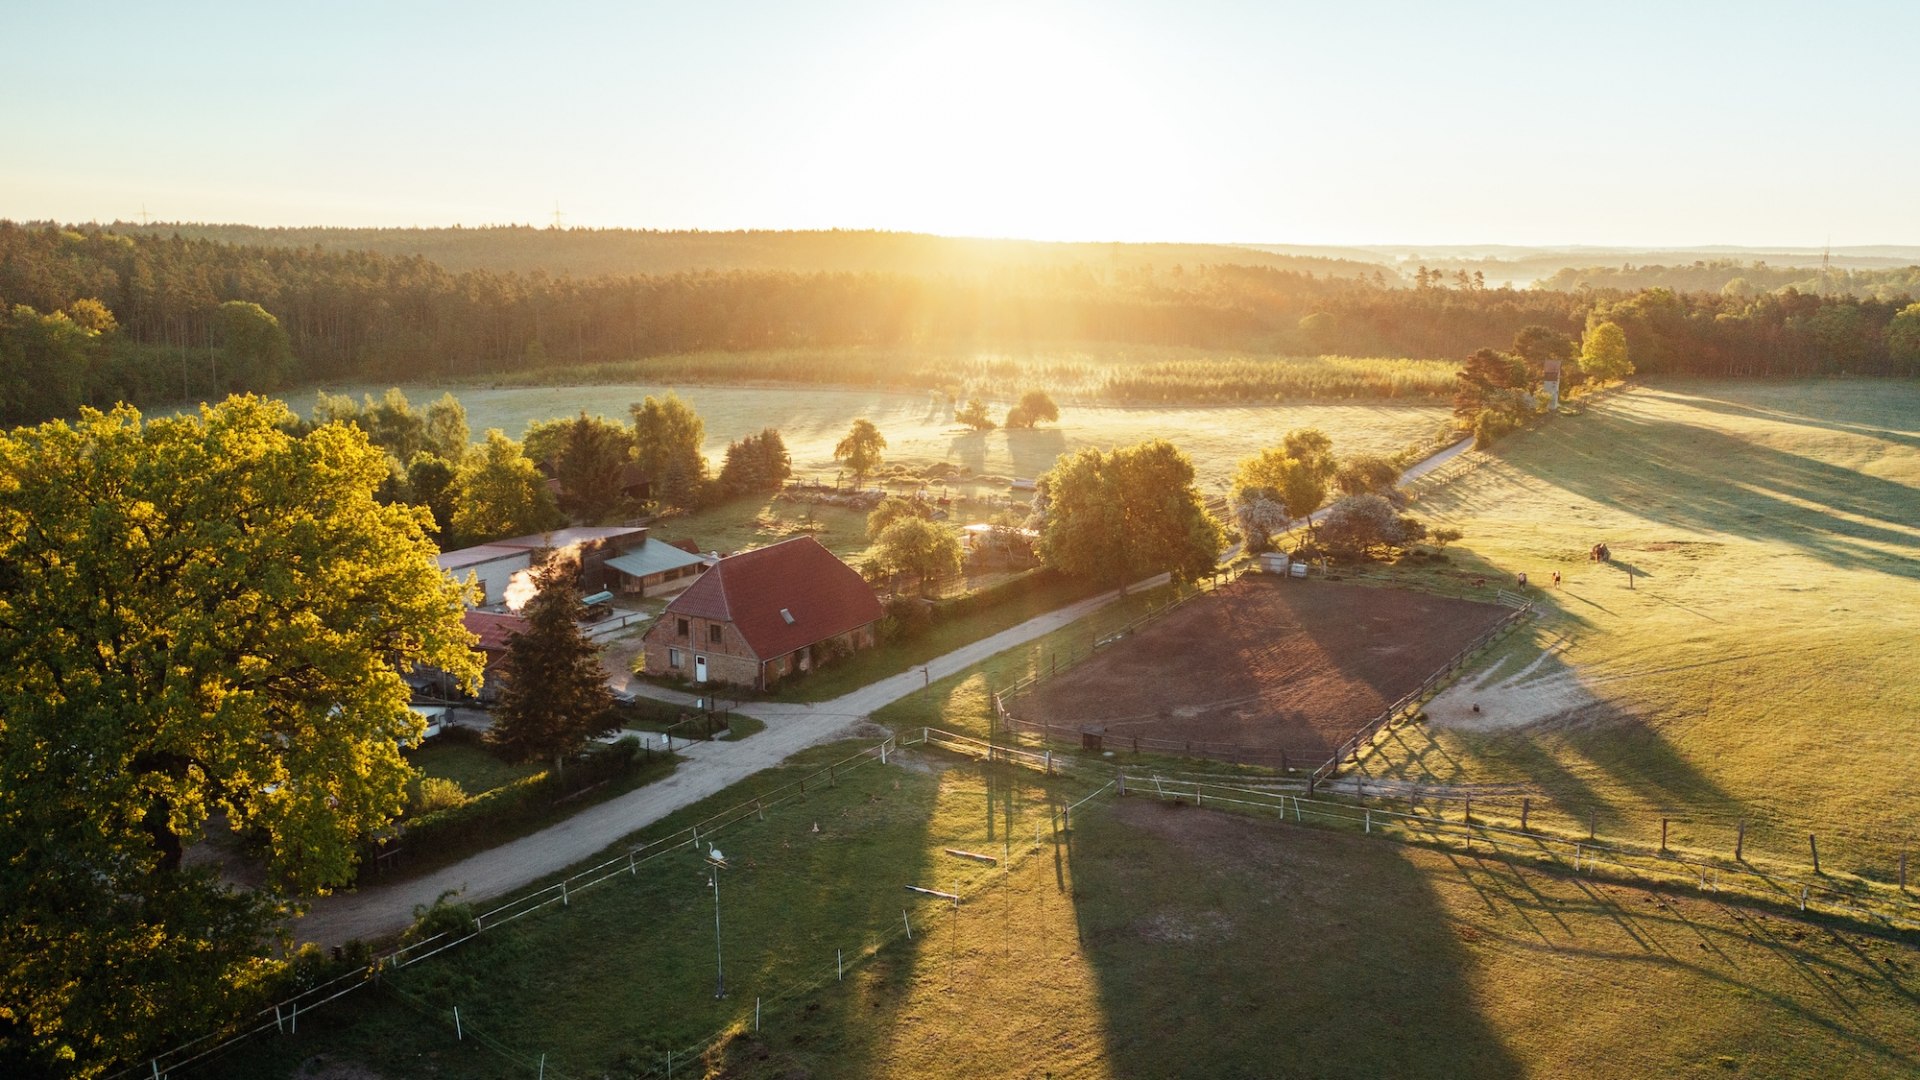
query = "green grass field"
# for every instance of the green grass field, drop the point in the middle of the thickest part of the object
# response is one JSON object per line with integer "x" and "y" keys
{"x": 476, "y": 769}
{"x": 1150, "y": 941}
{"x": 920, "y": 429}
{"x": 1760, "y": 665}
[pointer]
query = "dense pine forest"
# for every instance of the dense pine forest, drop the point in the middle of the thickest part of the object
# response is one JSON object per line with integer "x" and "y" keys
{"x": 92, "y": 316}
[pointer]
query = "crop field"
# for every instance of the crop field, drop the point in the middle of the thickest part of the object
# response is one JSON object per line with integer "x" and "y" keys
{"x": 1110, "y": 374}
{"x": 1148, "y": 940}
{"x": 1268, "y": 663}
{"x": 1748, "y": 654}
{"x": 920, "y": 430}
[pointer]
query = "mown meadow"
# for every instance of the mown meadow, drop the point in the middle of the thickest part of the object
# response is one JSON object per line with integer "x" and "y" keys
{"x": 1747, "y": 653}
{"x": 1146, "y": 941}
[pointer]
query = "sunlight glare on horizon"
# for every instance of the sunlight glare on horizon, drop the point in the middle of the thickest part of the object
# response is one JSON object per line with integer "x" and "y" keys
{"x": 1207, "y": 120}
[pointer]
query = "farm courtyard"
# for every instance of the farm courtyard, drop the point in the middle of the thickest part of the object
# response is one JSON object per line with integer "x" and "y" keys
{"x": 1265, "y": 663}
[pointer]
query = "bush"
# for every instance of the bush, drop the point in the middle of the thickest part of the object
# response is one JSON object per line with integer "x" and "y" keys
{"x": 438, "y": 793}
{"x": 907, "y": 617}
{"x": 1492, "y": 425}
{"x": 441, "y": 917}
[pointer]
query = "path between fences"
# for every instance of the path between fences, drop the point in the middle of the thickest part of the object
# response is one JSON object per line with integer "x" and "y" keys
{"x": 377, "y": 911}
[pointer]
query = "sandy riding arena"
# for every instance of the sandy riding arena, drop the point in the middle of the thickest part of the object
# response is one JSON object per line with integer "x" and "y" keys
{"x": 1263, "y": 663}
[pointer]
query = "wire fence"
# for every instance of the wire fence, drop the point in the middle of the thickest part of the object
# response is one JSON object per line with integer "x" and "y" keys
{"x": 1477, "y": 822}
{"x": 1464, "y": 821}
{"x": 972, "y": 874}
{"x": 283, "y": 1016}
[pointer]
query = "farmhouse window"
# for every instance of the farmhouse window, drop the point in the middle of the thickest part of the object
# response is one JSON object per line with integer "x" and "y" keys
{"x": 673, "y": 659}
{"x": 713, "y": 633}
{"x": 683, "y": 628}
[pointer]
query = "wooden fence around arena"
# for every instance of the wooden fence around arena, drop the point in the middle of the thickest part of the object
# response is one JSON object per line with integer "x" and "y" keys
{"x": 1286, "y": 759}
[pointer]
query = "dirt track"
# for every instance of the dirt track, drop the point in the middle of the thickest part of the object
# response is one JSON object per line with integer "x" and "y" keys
{"x": 1294, "y": 665}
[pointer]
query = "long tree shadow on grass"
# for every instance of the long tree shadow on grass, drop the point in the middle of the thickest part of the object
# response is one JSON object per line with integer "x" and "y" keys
{"x": 1695, "y": 477}
{"x": 1227, "y": 949}
{"x": 1226, "y": 946}
{"x": 1870, "y": 411}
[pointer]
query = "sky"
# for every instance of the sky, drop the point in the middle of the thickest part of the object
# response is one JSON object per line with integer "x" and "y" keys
{"x": 1541, "y": 123}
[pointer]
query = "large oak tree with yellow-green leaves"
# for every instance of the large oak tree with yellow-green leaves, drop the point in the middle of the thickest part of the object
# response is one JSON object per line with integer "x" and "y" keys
{"x": 205, "y": 621}
{"x": 1121, "y": 515}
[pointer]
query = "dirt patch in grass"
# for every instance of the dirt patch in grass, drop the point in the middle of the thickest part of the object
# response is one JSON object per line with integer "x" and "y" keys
{"x": 1297, "y": 666}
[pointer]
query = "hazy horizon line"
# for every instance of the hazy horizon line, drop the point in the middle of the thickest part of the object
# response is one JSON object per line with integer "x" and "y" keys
{"x": 1374, "y": 246}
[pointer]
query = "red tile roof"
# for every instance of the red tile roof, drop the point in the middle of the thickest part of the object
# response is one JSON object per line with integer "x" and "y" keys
{"x": 494, "y": 630}
{"x": 824, "y": 595}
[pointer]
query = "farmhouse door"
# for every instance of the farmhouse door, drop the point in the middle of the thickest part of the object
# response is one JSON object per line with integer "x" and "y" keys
{"x": 699, "y": 669}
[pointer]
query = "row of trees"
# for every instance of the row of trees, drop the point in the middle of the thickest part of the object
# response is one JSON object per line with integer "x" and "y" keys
{"x": 603, "y": 470}
{"x": 1034, "y": 408}
{"x": 356, "y": 314}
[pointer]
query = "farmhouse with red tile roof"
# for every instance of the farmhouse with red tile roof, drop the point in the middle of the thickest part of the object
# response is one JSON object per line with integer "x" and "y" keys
{"x": 764, "y": 615}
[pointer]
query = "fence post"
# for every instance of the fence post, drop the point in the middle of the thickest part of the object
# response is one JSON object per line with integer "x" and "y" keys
{"x": 1814, "y": 843}
{"x": 565, "y": 900}
{"x": 839, "y": 967}
{"x": 1903, "y": 871}
{"x": 1593, "y": 824}
{"x": 908, "y": 923}
{"x": 756, "y": 1014}
{"x": 1467, "y": 817}
{"x": 831, "y": 780}
{"x": 1663, "y": 834}
{"x": 1369, "y": 822}
{"x": 458, "y": 1034}
{"x": 1120, "y": 786}
{"x": 1740, "y": 840}
{"x": 1526, "y": 807}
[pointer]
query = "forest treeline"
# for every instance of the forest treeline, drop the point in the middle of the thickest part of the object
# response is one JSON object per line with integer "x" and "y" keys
{"x": 1741, "y": 280}
{"x": 175, "y": 332}
{"x": 584, "y": 252}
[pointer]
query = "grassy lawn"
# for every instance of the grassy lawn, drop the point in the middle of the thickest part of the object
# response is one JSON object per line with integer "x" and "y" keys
{"x": 920, "y": 430}
{"x": 475, "y": 768}
{"x": 1151, "y": 941}
{"x": 757, "y": 521}
{"x": 1758, "y": 665}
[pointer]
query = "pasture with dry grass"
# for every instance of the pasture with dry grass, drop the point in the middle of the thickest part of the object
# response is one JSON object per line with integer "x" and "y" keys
{"x": 1151, "y": 940}
{"x": 1748, "y": 653}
